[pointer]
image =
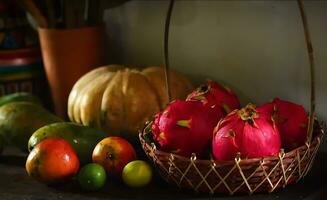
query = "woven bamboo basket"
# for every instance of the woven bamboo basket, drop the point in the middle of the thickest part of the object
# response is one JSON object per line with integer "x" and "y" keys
{"x": 238, "y": 175}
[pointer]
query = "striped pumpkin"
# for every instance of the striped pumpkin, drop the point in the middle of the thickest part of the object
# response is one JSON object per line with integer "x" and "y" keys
{"x": 120, "y": 99}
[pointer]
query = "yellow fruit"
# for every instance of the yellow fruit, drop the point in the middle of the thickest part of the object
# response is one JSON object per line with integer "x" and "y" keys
{"x": 121, "y": 100}
{"x": 137, "y": 174}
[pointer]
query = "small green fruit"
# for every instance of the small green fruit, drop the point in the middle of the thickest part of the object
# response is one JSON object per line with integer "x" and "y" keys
{"x": 137, "y": 174}
{"x": 92, "y": 177}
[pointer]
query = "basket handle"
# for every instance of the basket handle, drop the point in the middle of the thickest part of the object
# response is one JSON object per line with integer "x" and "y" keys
{"x": 166, "y": 49}
{"x": 309, "y": 49}
{"x": 312, "y": 69}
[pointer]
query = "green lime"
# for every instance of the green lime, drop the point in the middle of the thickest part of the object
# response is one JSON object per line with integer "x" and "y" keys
{"x": 92, "y": 177}
{"x": 137, "y": 173}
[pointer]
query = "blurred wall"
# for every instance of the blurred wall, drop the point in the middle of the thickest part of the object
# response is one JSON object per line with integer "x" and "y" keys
{"x": 255, "y": 47}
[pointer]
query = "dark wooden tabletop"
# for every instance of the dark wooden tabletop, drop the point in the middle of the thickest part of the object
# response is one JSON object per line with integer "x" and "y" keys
{"x": 16, "y": 185}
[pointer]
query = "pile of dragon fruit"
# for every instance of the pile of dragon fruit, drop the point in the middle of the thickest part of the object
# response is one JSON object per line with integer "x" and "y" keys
{"x": 211, "y": 122}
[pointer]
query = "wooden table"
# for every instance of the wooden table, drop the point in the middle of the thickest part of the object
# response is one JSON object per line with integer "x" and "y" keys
{"x": 16, "y": 185}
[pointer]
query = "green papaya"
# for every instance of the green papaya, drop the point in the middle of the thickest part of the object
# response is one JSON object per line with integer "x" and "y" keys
{"x": 82, "y": 138}
{"x": 19, "y": 96}
{"x": 19, "y": 120}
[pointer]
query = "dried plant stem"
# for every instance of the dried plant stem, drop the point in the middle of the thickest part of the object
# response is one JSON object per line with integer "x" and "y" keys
{"x": 166, "y": 49}
{"x": 312, "y": 67}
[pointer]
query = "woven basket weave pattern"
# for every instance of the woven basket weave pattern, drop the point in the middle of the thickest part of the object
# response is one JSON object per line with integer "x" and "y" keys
{"x": 238, "y": 176}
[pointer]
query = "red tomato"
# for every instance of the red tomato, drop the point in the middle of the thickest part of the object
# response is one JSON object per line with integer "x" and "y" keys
{"x": 113, "y": 153}
{"x": 51, "y": 160}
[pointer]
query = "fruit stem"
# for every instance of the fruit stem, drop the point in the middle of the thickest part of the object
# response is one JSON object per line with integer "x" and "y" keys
{"x": 199, "y": 98}
{"x": 248, "y": 113}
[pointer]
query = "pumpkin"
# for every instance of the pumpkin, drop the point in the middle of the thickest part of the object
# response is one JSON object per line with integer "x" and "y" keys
{"x": 120, "y": 99}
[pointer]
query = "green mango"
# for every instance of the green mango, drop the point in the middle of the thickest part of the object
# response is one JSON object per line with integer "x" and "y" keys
{"x": 19, "y": 96}
{"x": 19, "y": 120}
{"x": 82, "y": 138}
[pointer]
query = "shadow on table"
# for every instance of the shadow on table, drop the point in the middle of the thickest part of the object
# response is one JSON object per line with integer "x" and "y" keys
{"x": 116, "y": 189}
{"x": 13, "y": 160}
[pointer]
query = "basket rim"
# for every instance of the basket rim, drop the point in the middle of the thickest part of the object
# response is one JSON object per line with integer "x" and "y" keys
{"x": 315, "y": 140}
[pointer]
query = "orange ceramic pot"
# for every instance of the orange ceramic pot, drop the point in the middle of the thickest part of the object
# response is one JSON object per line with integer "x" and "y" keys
{"x": 67, "y": 55}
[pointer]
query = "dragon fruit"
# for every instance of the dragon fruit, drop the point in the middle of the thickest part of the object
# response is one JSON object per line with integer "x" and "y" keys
{"x": 247, "y": 132}
{"x": 185, "y": 127}
{"x": 216, "y": 96}
{"x": 291, "y": 120}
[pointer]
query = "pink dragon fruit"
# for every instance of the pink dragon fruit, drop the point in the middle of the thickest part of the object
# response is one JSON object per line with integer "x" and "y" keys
{"x": 247, "y": 132}
{"x": 216, "y": 96}
{"x": 184, "y": 127}
{"x": 291, "y": 120}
